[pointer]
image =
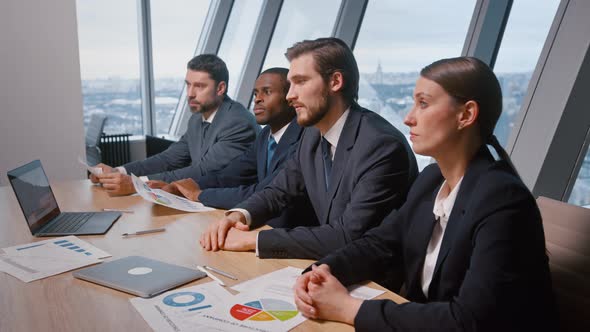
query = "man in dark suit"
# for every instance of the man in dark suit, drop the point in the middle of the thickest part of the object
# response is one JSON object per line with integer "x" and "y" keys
{"x": 219, "y": 131}
{"x": 353, "y": 165}
{"x": 256, "y": 168}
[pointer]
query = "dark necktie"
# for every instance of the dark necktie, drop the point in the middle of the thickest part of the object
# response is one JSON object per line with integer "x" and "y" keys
{"x": 327, "y": 154}
{"x": 272, "y": 146}
{"x": 204, "y": 126}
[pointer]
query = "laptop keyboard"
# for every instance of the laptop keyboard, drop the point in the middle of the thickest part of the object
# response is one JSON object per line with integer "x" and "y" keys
{"x": 68, "y": 222}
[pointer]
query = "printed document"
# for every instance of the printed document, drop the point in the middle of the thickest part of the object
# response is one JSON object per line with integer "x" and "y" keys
{"x": 176, "y": 310}
{"x": 167, "y": 199}
{"x": 282, "y": 281}
{"x": 38, "y": 260}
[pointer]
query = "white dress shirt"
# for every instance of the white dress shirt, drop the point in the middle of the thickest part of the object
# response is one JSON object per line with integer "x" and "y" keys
{"x": 277, "y": 136}
{"x": 443, "y": 205}
{"x": 333, "y": 134}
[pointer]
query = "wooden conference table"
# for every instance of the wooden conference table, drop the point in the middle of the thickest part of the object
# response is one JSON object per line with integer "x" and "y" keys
{"x": 63, "y": 303}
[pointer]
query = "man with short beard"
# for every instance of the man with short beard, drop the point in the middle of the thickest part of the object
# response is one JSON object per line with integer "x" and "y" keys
{"x": 354, "y": 166}
{"x": 256, "y": 168}
{"x": 219, "y": 131}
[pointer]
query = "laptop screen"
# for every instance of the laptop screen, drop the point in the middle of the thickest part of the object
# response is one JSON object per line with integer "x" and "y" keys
{"x": 34, "y": 194}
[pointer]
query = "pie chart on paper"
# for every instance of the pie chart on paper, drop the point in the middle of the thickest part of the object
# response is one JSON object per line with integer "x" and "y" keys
{"x": 264, "y": 310}
{"x": 160, "y": 199}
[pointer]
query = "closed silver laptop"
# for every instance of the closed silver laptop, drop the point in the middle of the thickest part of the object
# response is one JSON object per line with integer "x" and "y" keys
{"x": 139, "y": 275}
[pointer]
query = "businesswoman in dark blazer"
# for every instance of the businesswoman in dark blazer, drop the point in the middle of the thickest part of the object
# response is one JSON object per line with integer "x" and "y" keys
{"x": 469, "y": 239}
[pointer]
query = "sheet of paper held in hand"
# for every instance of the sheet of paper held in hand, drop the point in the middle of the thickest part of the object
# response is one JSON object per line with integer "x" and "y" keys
{"x": 93, "y": 170}
{"x": 167, "y": 199}
{"x": 38, "y": 260}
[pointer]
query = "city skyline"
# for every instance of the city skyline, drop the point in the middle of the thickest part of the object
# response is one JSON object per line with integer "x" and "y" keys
{"x": 386, "y": 93}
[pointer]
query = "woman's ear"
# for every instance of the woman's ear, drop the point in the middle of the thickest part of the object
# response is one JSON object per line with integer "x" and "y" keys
{"x": 468, "y": 114}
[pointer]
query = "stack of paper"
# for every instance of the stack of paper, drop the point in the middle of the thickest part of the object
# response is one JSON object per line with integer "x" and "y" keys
{"x": 38, "y": 260}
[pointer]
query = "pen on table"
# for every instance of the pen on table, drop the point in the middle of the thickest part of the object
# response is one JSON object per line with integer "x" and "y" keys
{"x": 118, "y": 210}
{"x": 202, "y": 269}
{"x": 147, "y": 231}
{"x": 225, "y": 274}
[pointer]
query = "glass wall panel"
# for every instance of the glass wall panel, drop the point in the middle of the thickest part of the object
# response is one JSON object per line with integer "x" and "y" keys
{"x": 580, "y": 194}
{"x": 524, "y": 36}
{"x": 176, "y": 27}
{"x": 396, "y": 40}
{"x": 237, "y": 39}
{"x": 299, "y": 20}
{"x": 109, "y": 63}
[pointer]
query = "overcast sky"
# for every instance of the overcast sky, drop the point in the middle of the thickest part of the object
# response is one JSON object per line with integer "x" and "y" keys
{"x": 403, "y": 35}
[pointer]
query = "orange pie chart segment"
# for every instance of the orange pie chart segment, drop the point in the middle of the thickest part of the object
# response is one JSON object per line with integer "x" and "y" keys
{"x": 262, "y": 316}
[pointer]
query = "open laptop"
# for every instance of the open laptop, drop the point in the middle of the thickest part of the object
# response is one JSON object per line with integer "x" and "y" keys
{"x": 39, "y": 206}
{"x": 139, "y": 275}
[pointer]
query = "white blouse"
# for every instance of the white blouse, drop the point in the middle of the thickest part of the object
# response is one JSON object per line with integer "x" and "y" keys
{"x": 443, "y": 205}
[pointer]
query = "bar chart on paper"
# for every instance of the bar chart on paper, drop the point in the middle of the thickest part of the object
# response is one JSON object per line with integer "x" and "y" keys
{"x": 33, "y": 261}
{"x": 72, "y": 246}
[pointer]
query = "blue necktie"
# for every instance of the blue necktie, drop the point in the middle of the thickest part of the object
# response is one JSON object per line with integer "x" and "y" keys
{"x": 327, "y": 154}
{"x": 272, "y": 146}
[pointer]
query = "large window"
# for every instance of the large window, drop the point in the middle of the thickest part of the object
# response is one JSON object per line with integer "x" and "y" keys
{"x": 524, "y": 36}
{"x": 176, "y": 26}
{"x": 396, "y": 40}
{"x": 580, "y": 194}
{"x": 299, "y": 20}
{"x": 237, "y": 38}
{"x": 109, "y": 63}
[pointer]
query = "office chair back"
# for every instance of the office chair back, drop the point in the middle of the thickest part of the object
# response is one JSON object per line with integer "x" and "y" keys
{"x": 94, "y": 130}
{"x": 93, "y": 134}
{"x": 567, "y": 235}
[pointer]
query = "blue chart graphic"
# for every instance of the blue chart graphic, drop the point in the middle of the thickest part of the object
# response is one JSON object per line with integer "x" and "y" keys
{"x": 69, "y": 245}
{"x": 31, "y": 246}
{"x": 185, "y": 299}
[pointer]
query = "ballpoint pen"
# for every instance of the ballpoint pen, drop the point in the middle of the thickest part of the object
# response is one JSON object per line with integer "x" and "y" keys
{"x": 145, "y": 232}
{"x": 202, "y": 269}
{"x": 225, "y": 274}
{"x": 118, "y": 210}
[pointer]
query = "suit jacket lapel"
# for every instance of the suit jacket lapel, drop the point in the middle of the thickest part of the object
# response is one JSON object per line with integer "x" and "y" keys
{"x": 197, "y": 123}
{"x": 262, "y": 152}
{"x": 212, "y": 131}
{"x": 345, "y": 144}
{"x": 479, "y": 164}
{"x": 341, "y": 157}
{"x": 290, "y": 137}
{"x": 422, "y": 226}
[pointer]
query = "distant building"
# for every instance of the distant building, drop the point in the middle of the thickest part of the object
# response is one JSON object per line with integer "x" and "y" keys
{"x": 378, "y": 74}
